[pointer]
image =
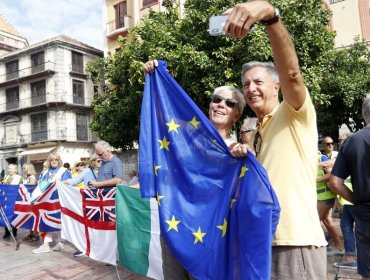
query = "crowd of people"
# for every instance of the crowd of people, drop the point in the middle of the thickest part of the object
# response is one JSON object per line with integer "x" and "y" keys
{"x": 103, "y": 169}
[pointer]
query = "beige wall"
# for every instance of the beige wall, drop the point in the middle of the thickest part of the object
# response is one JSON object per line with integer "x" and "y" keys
{"x": 346, "y": 22}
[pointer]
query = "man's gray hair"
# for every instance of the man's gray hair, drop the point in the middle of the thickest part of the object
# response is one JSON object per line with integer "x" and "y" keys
{"x": 105, "y": 145}
{"x": 269, "y": 66}
{"x": 239, "y": 95}
{"x": 366, "y": 108}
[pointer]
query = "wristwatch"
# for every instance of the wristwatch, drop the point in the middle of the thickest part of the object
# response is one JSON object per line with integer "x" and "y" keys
{"x": 272, "y": 20}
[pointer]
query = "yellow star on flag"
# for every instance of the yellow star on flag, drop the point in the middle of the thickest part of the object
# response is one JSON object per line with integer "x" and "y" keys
{"x": 194, "y": 122}
{"x": 159, "y": 197}
{"x": 198, "y": 236}
{"x": 156, "y": 167}
{"x": 233, "y": 200}
{"x": 164, "y": 143}
{"x": 173, "y": 223}
{"x": 242, "y": 173}
{"x": 223, "y": 228}
{"x": 172, "y": 126}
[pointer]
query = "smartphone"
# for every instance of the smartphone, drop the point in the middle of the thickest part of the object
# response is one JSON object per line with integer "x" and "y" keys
{"x": 216, "y": 25}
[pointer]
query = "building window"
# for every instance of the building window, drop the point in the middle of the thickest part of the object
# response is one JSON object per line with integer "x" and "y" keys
{"x": 38, "y": 92}
{"x": 38, "y": 62}
{"x": 81, "y": 127}
{"x": 39, "y": 128}
{"x": 77, "y": 62}
{"x": 78, "y": 92}
{"x": 121, "y": 12}
{"x": 12, "y": 98}
{"x": 11, "y": 70}
{"x": 149, "y": 2}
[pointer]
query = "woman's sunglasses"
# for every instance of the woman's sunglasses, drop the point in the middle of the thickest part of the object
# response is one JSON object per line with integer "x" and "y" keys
{"x": 229, "y": 101}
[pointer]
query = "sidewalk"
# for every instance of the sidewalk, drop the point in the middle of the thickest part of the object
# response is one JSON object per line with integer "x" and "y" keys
{"x": 336, "y": 273}
{"x": 22, "y": 264}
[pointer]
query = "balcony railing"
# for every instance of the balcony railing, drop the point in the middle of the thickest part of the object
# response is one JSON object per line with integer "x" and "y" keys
{"x": 12, "y": 75}
{"x": 82, "y": 134}
{"x": 12, "y": 105}
{"x": 38, "y": 100}
{"x": 78, "y": 68}
{"x": 114, "y": 25}
{"x": 21, "y": 73}
{"x": 39, "y": 136}
{"x": 79, "y": 100}
{"x": 38, "y": 68}
{"x": 71, "y": 134}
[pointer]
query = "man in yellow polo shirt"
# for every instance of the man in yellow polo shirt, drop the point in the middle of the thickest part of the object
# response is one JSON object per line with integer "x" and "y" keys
{"x": 285, "y": 143}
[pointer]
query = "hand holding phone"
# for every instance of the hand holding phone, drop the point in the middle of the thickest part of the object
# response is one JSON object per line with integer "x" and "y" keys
{"x": 217, "y": 24}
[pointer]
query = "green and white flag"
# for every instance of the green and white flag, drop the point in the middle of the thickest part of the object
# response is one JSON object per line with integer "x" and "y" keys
{"x": 138, "y": 232}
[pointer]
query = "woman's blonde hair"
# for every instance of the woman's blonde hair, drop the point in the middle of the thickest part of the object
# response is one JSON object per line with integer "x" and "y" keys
{"x": 93, "y": 158}
{"x": 29, "y": 169}
{"x": 55, "y": 156}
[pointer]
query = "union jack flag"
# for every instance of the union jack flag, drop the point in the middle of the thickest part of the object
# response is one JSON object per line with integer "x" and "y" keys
{"x": 89, "y": 221}
{"x": 43, "y": 214}
{"x": 100, "y": 204}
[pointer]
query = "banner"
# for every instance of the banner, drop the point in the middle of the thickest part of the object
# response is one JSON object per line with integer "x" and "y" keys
{"x": 89, "y": 221}
{"x": 138, "y": 233}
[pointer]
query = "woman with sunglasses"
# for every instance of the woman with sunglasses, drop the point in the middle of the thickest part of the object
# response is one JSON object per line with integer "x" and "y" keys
{"x": 77, "y": 169}
{"x": 88, "y": 174}
{"x": 226, "y": 107}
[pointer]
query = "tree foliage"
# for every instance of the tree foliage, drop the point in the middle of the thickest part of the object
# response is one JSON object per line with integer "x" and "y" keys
{"x": 344, "y": 85}
{"x": 200, "y": 62}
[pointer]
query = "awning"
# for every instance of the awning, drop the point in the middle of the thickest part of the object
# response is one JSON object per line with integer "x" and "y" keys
{"x": 37, "y": 151}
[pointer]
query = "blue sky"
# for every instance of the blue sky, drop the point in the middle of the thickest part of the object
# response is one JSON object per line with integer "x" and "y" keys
{"x": 38, "y": 20}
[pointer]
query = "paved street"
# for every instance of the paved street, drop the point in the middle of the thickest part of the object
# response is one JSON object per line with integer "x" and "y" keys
{"x": 23, "y": 265}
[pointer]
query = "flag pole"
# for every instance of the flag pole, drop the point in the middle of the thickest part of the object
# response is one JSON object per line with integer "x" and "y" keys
{"x": 16, "y": 243}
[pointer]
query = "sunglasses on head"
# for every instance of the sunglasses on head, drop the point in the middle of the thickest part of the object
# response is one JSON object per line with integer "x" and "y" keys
{"x": 229, "y": 101}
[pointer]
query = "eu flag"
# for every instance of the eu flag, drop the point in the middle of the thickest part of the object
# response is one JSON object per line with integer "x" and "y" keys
{"x": 217, "y": 213}
{"x": 8, "y": 195}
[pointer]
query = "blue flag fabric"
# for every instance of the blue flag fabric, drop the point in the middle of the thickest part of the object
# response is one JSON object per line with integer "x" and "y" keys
{"x": 217, "y": 213}
{"x": 8, "y": 195}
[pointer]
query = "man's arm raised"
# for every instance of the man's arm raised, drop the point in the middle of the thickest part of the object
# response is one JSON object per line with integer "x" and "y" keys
{"x": 242, "y": 16}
